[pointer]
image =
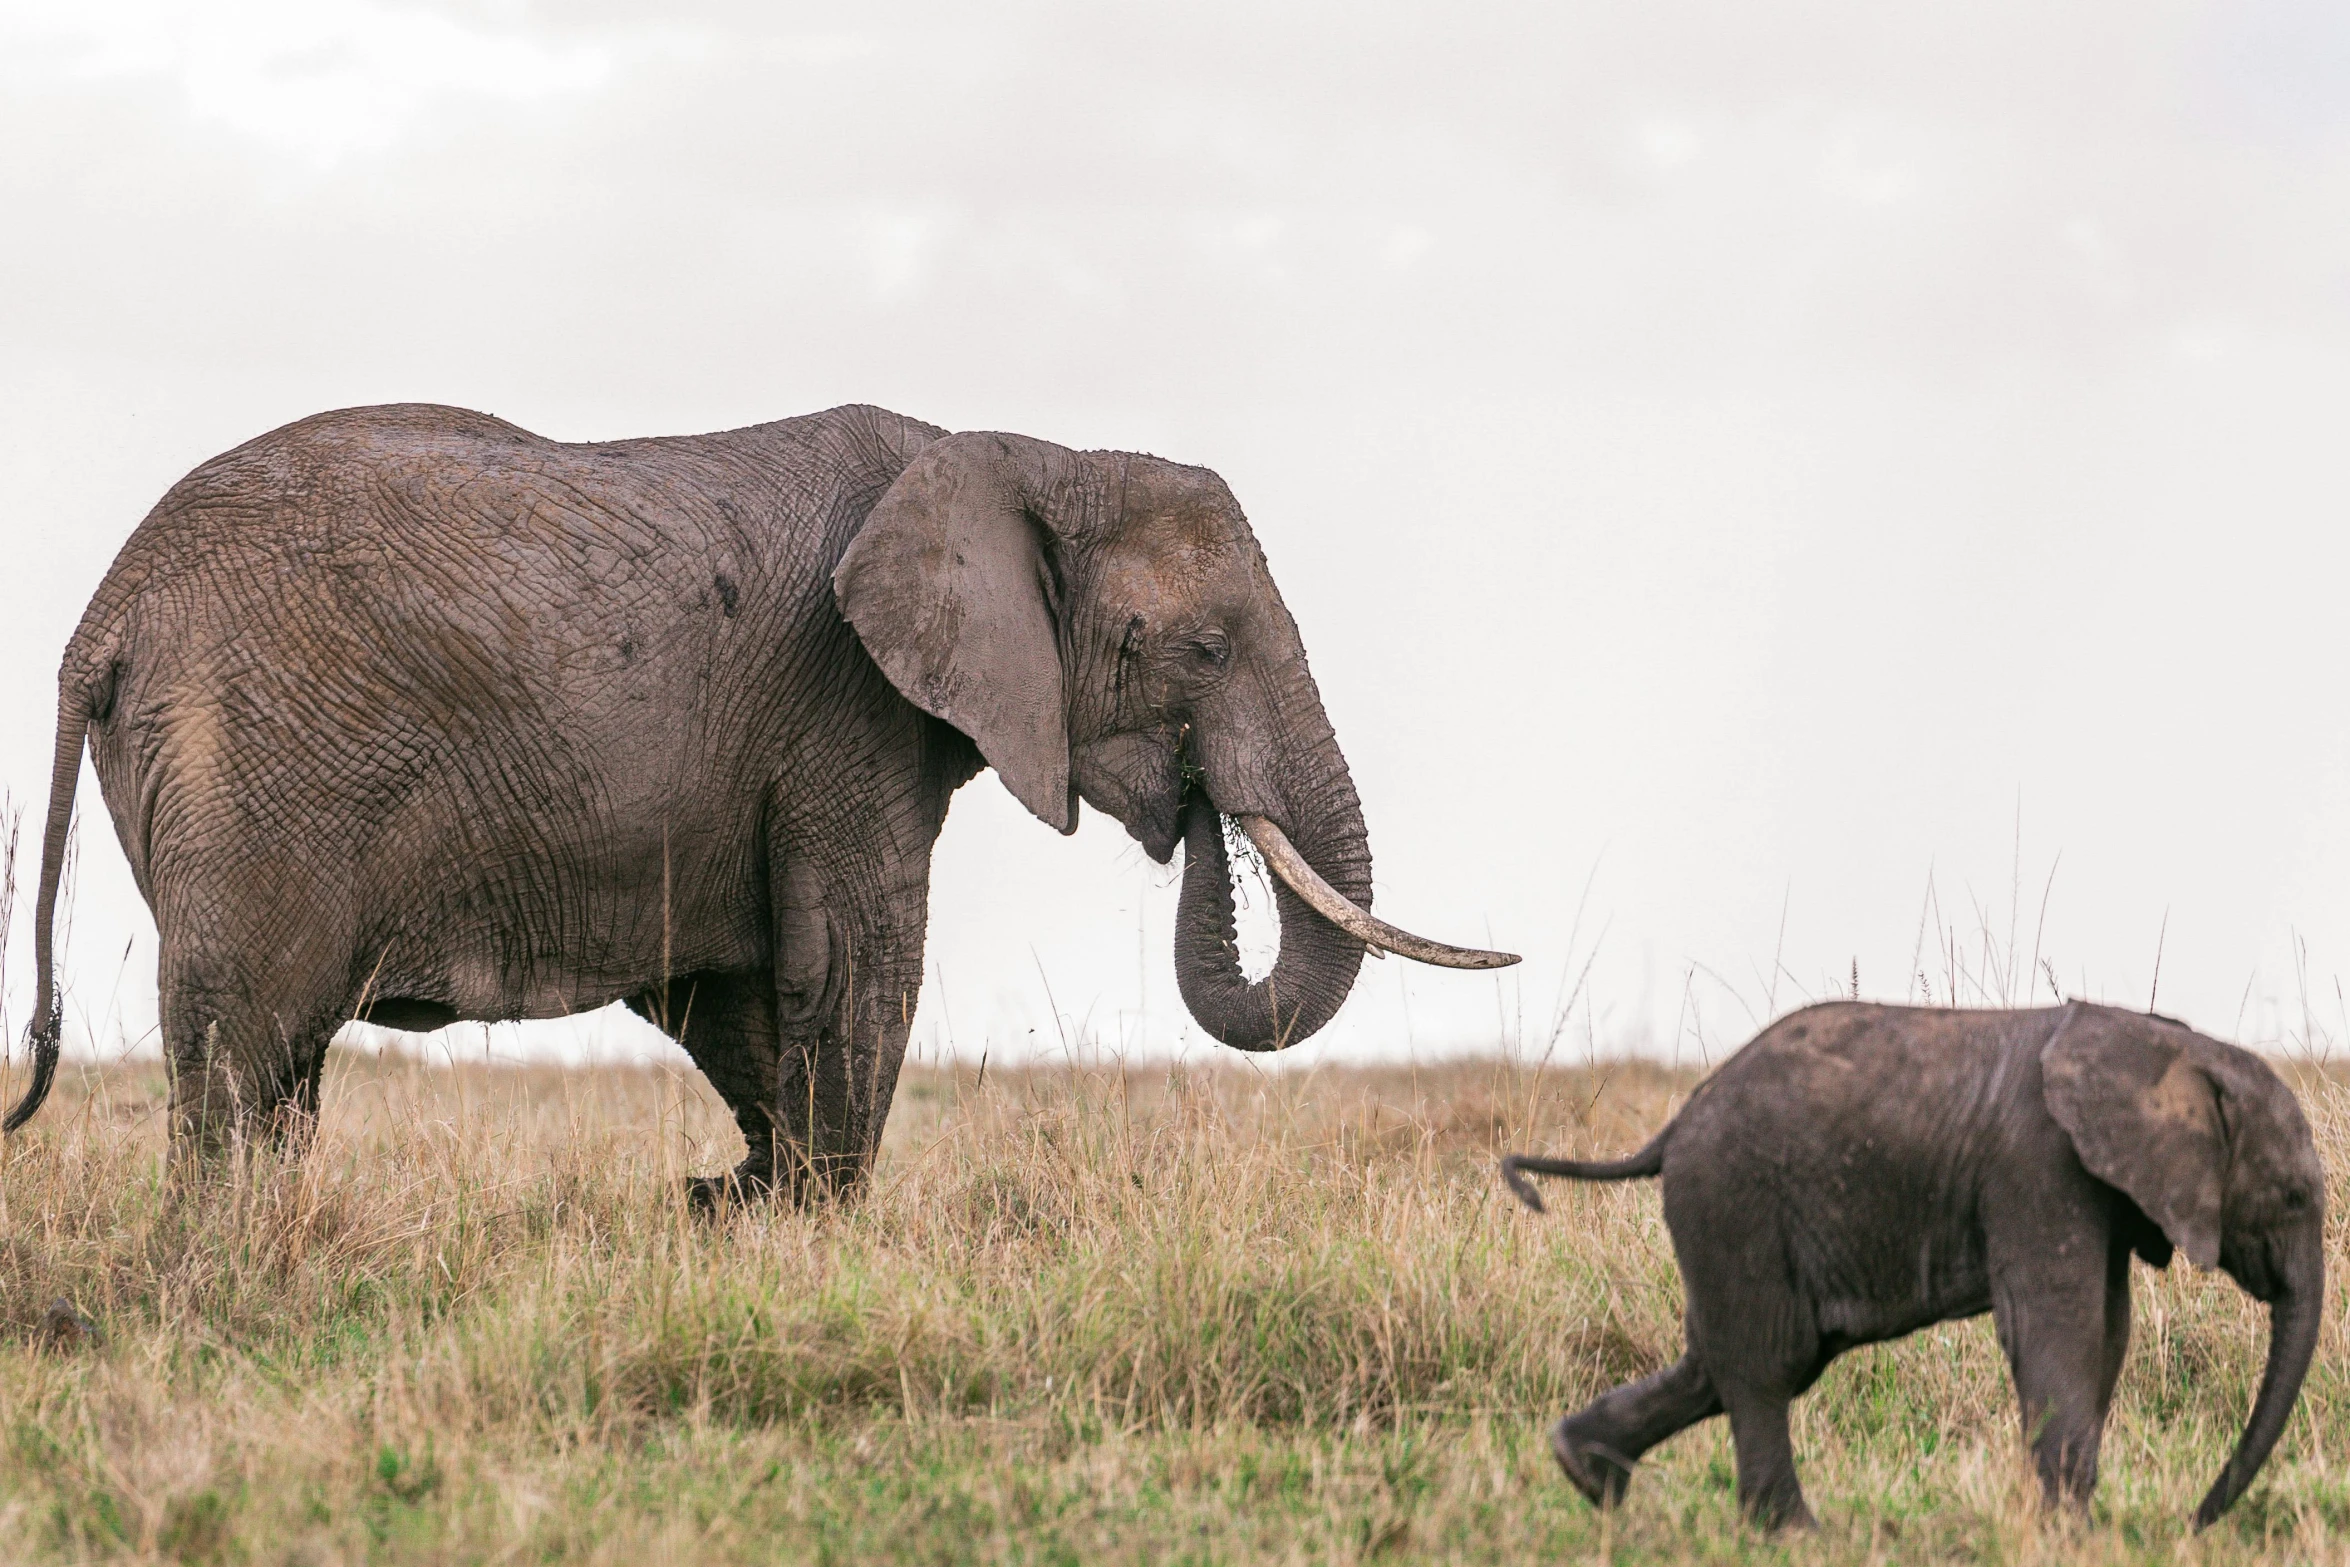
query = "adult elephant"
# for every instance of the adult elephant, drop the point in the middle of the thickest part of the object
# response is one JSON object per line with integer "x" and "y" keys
{"x": 411, "y": 715}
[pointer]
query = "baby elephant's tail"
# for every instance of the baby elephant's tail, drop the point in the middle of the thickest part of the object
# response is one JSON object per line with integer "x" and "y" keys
{"x": 1516, "y": 1167}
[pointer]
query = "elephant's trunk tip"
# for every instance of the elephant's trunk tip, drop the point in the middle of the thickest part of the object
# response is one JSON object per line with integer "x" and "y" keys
{"x": 2294, "y": 1319}
{"x": 1284, "y": 861}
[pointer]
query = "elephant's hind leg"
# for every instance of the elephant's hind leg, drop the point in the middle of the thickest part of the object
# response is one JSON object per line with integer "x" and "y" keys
{"x": 245, "y": 1042}
{"x": 1769, "y": 1493}
{"x": 1597, "y": 1446}
{"x": 1757, "y": 1332}
{"x": 295, "y": 1121}
{"x": 726, "y": 1023}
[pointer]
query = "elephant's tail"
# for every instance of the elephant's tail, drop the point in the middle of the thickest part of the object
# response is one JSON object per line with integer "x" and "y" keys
{"x": 74, "y": 711}
{"x": 1648, "y": 1161}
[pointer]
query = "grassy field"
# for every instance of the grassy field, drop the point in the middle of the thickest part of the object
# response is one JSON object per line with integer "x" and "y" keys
{"x": 1082, "y": 1317}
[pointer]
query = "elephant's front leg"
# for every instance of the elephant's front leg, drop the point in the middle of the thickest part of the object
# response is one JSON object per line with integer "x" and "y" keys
{"x": 846, "y": 983}
{"x": 2065, "y": 1325}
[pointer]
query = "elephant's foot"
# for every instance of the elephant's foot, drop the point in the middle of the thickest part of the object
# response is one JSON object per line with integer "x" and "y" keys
{"x": 1595, "y": 1469}
{"x": 1780, "y": 1517}
{"x": 738, "y": 1188}
{"x": 788, "y": 1176}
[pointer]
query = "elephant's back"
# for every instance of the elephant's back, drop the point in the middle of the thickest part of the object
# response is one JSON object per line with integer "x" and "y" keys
{"x": 357, "y": 606}
{"x": 362, "y": 477}
{"x": 1852, "y": 1104}
{"x": 1828, "y": 1073}
{"x": 227, "y": 545}
{"x": 446, "y": 509}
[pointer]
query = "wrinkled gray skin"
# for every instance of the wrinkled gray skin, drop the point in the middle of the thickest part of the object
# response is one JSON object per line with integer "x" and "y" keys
{"x": 407, "y": 714}
{"x": 1858, "y": 1172}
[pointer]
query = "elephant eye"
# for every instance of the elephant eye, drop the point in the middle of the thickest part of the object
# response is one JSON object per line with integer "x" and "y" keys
{"x": 1211, "y": 650}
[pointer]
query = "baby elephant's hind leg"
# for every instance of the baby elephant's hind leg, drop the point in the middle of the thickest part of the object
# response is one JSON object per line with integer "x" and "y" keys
{"x": 1597, "y": 1446}
{"x": 1768, "y": 1492}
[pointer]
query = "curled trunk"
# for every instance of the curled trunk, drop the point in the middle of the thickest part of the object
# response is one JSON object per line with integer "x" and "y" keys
{"x": 1263, "y": 755}
{"x": 1317, "y": 965}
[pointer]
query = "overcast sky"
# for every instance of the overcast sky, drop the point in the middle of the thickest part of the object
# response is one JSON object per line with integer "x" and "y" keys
{"x": 1737, "y": 467}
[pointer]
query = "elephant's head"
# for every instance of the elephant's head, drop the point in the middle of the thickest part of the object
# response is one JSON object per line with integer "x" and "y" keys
{"x": 2211, "y": 1146}
{"x": 1101, "y": 624}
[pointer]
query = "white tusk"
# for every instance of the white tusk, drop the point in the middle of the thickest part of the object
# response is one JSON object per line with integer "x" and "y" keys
{"x": 1282, "y": 858}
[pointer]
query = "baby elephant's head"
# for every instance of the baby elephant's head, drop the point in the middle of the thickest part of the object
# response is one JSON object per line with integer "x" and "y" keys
{"x": 2209, "y": 1142}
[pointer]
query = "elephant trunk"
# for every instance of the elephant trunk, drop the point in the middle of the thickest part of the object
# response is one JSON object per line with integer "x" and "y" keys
{"x": 2293, "y": 1321}
{"x": 1318, "y": 960}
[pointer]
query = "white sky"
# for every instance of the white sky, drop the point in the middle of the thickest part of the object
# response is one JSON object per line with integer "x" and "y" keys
{"x": 1732, "y": 463}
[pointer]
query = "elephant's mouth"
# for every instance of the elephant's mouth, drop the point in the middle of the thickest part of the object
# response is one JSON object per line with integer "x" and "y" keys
{"x": 1137, "y": 778}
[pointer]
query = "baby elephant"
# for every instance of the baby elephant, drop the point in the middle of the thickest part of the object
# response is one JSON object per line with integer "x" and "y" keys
{"x": 1857, "y": 1172}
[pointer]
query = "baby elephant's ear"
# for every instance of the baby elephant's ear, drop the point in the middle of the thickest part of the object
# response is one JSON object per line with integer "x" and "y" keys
{"x": 2143, "y": 1118}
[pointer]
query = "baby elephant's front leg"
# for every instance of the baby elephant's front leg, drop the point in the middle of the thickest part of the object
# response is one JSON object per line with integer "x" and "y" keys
{"x": 2066, "y": 1333}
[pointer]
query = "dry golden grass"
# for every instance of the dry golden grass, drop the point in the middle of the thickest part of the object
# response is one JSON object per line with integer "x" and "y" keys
{"x": 1192, "y": 1315}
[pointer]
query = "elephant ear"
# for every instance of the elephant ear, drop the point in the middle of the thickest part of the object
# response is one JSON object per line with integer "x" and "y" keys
{"x": 950, "y": 588}
{"x": 2143, "y": 1117}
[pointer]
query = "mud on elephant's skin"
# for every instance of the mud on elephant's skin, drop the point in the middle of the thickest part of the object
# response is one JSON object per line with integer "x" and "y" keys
{"x": 406, "y": 713}
{"x": 1857, "y": 1172}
